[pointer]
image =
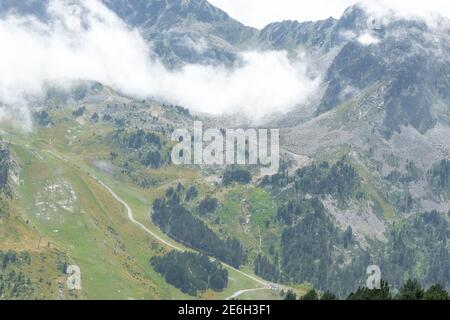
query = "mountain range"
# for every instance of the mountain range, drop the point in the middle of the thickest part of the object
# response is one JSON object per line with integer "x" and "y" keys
{"x": 365, "y": 175}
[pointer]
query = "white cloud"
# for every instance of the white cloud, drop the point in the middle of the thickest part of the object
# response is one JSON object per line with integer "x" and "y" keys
{"x": 368, "y": 39}
{"x": 266, "y": 83}
{"x": 88, "y": 42}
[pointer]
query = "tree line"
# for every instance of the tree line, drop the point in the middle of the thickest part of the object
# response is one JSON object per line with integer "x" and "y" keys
{"x": 411, "y": 290}
{"x": 172, "y": 217}
{"x": 191, "y": 272}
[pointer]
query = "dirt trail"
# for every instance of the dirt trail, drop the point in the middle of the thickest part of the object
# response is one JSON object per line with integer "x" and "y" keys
{"x": 266, "y": 285}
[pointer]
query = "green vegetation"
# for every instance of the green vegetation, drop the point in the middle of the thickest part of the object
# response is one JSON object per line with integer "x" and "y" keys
{"x": 364, "y": 293}
{"x": 412, "y": 174}
{"x": 436, "y": 292}
{"x": 236, "y": 174}
{"x": 439, "y": 176}
{"x": 312, "y": 247}
{"x": 34, "y": 275}
{"x": 140, "y": 146}
{"x": 279, "y": 226}
{"x": 311, "y": 295}
{"x": 266, "y": 269}
{"x": 42, "y": 118}
{"x": 207, "y": 205}
{"x": 174, "y": 219}
{"x": 79, "y": 112}
{"x": 4, "y": 167}
{"x": 420, "y": 248}
{"x": 14, "y": 284}
{"x": 411, "y": 290}
{"x": 191, "y": 272}
{"x": 4, "y": 176}
{"x": 339, "y": 179}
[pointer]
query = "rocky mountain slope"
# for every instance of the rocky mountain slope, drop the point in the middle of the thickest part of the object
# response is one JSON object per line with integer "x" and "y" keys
{"x": 365, "y": 177}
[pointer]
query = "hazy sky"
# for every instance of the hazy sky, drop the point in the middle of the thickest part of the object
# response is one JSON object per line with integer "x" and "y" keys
{"x": 258, "y": 13}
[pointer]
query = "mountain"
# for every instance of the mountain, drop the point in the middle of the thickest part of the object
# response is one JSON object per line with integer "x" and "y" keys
{"x": 405, "y": 59}
{"x": 186, "y": 31}
{"x": 364, "y": 177}
{"x": 179, "y": 31}
{"x": 408, "y": 62}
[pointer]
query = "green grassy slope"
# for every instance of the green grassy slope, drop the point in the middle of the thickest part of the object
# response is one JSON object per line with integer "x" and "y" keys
{"x": 68, "y": 210}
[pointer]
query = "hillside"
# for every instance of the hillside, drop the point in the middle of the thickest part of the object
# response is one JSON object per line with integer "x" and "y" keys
{"x": 364, "y": 176}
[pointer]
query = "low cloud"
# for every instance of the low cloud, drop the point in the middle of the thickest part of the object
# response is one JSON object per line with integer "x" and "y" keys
{"x": 83, "y": 40}
{"x": 368, "y": 39}
{"x": 431, "y": 11}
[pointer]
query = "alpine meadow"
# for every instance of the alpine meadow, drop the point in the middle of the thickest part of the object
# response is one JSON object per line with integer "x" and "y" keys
{"x": 164, "y": 150}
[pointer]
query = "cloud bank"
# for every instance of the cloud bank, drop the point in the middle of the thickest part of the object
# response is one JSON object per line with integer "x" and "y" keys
{"x": 83, "y": 40}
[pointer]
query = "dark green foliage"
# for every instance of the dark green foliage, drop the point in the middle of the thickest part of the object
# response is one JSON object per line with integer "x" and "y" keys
{"x": 42, "y": 118}
{"x": 328, "y": 296}
{"x": 411, "y": 290}
{"x": 13, "y": 284}
{"x": 137, "y": 139}
{"x": 405, "y": 203}
{"x": 290, "y": 295}
{"x": 289, "y": 212}
{"x": 4, "y": 167}
{"x": 436, "y": 292}
{"x": 419, "y": 248}
{"x": 312, "y": 248}
{"x": 340, "y": 179}
{"x": 191, "y": 272}
{"x": 95, "y": 117}
{"x": 347, "y": 237}
{"x": 175, "y": 220}
{"x": 439, "y": 176}
{"x": 120, "y": 123}
{"x": 4, "y": 176}
{"x": 191, "y": 194}
{"x": 266, "y": 269}
{"x": 7, "y": 258}
{"x": 4, "y": 206}
{"x": 140, "y": 146}
{"x": 307, "y": 247}
{"x": 79, "y": 112}
{"x": 412, "y": 174}
{"x": 311, "y": 295}
{"x": 278, "y": 180}
{"x": 152, "y": 159}
{"x": 364, "y": 293}
{"x": 182, "y": 111}
{"x": 236, "y": 175}
{"x": 208, "y": 205}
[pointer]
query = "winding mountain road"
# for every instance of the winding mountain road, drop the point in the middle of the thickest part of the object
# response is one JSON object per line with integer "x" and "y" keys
{"x": 266, "y": 285}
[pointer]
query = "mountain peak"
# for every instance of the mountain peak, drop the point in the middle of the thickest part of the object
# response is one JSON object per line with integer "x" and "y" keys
{"x": 354, "y": 18}
{"x": 143, "y": 12}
